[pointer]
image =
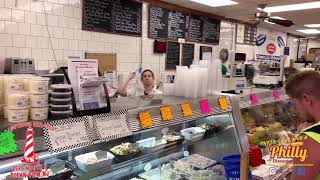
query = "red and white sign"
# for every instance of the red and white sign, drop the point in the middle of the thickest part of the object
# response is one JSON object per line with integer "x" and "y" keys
{"x": 271, "y": 48}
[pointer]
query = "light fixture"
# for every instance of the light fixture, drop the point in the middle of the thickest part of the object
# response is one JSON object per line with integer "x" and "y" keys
{"x": 215, "y": 3}
{"x": 293, "y": 7}
{"x": 309, "y": 31}
{"x": 278, "y": 17}
{"x": 312, "y": 25}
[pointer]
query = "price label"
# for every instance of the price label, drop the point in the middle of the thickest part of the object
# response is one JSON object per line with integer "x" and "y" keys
{"x": 145, "y": 119}
{"x": 254, "y": 99}
{"x": 186, "y": 109}
{"x": 223, "y": 102}
{"x": 205, "y": 107}
{"x": 276, "y": 95}
{"x": 166, "y": 113}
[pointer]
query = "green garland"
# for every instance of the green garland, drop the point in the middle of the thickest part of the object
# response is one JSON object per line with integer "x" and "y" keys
{"x": 7, "y": 143}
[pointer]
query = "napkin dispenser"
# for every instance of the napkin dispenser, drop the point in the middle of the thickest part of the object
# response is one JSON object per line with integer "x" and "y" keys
{"x": 19, "y": 66}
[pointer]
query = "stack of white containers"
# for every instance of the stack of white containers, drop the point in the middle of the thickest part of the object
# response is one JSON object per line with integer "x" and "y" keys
{"x": 20, "y": 94}
{"x": 60, "y": 101}
{"x": 203, "y": 78}
{"x": 38, "y": 93}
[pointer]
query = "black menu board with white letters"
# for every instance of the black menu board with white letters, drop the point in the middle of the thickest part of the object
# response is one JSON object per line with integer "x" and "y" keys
{"x": 173, "y": 55}
{"x": 167, "y": 23}
{"x": 187, "y": 54}
{"x": 204, "y": 30}
{"x": 113, "y": 16}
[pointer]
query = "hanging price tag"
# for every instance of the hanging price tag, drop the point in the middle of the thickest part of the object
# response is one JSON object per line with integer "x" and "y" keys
{"x": 166, "y": 113}
{"x": 276, "y": 95}
{"x": 223, "y": 102}
{"x": 205, "y": 107}
{"x": 186, "y": 109}
{"x": 254, "y": 99}
{"x": 145, "y": 119}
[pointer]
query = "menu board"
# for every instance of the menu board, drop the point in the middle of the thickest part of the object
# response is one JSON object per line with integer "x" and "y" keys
{"x": 114, "y": 16}
{"x": 67, "y": 134}
{"x": 112, "y": 125}
{"x": 187, "y": 54}
{"x": 246, "y": 34}
{"x": 173, "y": 55}
{"x": 167, "y": 23}
{"x": 204, "y": 30}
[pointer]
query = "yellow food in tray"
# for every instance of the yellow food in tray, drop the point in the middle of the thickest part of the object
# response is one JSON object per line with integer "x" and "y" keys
{"x": 145, "y": 119}
{"x": 186, "y": 109}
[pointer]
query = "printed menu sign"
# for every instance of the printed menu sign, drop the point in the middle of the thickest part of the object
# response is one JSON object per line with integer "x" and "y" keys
{"x": 173, "y": 55}
{"x": 204, "y": 30}
{"x": 112, "y": 125}
{"x": 167, "y": 23}
{"x": 187, "y": 54}
{"x": 67, "y": 134}
{"x": 186, "y": 109}
{"x": 114, "y": 16}
{"x": 145, "y": 119}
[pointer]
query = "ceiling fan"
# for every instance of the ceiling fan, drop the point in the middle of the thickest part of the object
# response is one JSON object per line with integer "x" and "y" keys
{"x": 263, "y": 16}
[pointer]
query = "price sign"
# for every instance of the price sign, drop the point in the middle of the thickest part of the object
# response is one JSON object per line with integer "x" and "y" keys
{"x": 205, "y": 107}
{"x": 223, "y": 102}
{"x": 254, "y": 99}
{"x": 276, "y": 95}
{"x": 112, "y": 125}
{"x": 145, "y": 119}
{"x": 67, "y": 134}
{"x": 166, "y": 113}
{"x": 186, "y": 109}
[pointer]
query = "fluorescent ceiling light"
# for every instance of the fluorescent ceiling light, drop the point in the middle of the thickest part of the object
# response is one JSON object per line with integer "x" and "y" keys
{"x": 278, "y": 17}
{"x": 309, "y": 31}
{"x": 293, "y": 7}
{"x": 312, "y": 25}
{"x": 216, "y": 3}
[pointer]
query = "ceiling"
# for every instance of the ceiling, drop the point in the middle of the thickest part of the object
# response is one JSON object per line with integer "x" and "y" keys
{"x": 245, "y": 10}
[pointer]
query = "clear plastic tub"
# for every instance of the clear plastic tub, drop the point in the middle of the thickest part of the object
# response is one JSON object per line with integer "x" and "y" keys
{"x": 60, "y": 114}
{"x": 17, "y": 99}
{"x": 39, "y": 100}
{"x": 39, "y": 114}
{"x": 18, "y": 115}
{"x": 39, "y": 85}
{"x": 61, "y": 87}
{"x": 60, "y": 101}
{"x": 61, "y": 95}
{"x": 60, "y": 107}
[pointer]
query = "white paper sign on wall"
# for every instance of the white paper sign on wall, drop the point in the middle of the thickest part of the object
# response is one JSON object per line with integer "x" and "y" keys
{"x": 112, "y": 125}
{"x": 68, "y": 134}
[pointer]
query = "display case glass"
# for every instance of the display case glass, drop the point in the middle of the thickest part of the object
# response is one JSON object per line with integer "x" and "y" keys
{"x": 187, "y": 139}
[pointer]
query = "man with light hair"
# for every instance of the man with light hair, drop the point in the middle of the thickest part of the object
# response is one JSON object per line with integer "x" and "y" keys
{"x": 303, "y": 89}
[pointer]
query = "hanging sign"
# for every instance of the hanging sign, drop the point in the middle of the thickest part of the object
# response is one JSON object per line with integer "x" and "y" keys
{"x": 223, "y": 102}
{"x": 166, "y": 113}
{"x": 145, "y": 119}
{"x": 254, "y": 99}
{"x": 205, "y": 107}
{"x": 67, "y": 134}
{"x": 186, "y": 109}
{"x": 112, "y": 125}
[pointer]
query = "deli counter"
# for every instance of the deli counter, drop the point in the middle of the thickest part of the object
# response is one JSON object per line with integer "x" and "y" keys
{"x": 161, "y": 137}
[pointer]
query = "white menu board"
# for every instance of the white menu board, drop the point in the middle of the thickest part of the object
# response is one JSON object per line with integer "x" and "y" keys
{"x": 112, "y": 125}
{"x": 67, "y": 134}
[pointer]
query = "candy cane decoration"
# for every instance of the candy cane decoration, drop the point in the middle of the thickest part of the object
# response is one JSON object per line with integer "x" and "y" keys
{"x": 30, "y": 157}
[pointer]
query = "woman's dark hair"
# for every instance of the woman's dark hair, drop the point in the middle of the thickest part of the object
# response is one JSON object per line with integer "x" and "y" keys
{"x": 147, "y": 70}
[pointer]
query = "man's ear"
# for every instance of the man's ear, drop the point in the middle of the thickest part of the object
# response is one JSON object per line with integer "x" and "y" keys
{"x": 308, "y": 99}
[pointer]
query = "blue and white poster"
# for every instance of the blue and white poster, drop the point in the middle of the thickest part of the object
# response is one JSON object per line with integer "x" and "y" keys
{"x": 269, "y": 44}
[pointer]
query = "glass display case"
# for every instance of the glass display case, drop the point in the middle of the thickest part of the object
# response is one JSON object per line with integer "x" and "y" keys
{"x": 167, "y": 137}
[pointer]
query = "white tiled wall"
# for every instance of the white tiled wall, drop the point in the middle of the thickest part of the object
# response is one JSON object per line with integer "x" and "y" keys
{"x": 24, "y": 33}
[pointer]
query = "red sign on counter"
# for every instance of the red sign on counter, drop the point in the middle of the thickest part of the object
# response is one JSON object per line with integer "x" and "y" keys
{"x": 205, "y": 107}
{"x": 254, "y": 99}
{"x": 276, "y": 95}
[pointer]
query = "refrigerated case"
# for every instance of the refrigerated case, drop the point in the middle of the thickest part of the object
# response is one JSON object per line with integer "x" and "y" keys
{"x": 226, "y": 137}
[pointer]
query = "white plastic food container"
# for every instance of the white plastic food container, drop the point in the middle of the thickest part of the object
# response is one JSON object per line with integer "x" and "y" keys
{"x": 39, "y": 114}
{"x": 12, "y": 82}
{"x": 38, "y": 85}
{"x": 17, "y": 100}
{"x": 18, "y": 115}
{"x": 39, "y": 100}
{"x": 193, "y": 133}
{"x": 102, "y": 159}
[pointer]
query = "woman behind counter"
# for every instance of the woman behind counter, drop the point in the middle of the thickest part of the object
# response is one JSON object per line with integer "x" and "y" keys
{"x": 148, "y": 81}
